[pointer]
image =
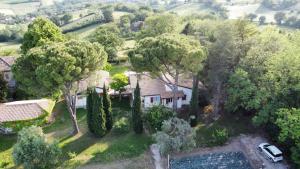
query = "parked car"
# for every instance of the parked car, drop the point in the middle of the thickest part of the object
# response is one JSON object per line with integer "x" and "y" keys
{"x": 271, "y": 151}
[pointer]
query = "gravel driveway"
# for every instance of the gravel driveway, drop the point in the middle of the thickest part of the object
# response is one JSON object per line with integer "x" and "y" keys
{"x": 246, "y": 144}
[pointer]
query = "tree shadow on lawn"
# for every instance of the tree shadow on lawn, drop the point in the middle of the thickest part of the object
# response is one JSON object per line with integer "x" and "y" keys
{"x": 123, "y": 147}
{"x": 78, "y": 143}
{"x": 7, "y": 142}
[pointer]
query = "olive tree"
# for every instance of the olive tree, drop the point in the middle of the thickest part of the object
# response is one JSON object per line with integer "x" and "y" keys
{"x": 33, "y": 151}
{"x": 176, "y": 135}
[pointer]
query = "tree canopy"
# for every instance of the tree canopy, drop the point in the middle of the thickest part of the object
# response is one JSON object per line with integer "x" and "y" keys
{"x": 56, "y": 69}
{"x": 40, "y": 32}
{"x": 168, "y": 55}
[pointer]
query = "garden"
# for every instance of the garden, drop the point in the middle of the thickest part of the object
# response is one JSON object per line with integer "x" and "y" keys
{"x": 120, "y": 144}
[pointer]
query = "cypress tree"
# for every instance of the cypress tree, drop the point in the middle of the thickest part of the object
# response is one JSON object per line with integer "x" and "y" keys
{"x": 107, "y": 109}
{"x": 99, "y": 120}
{"x": 89, "y": 108}
{"x": 3, "y": 89}
{"x": 137, "y": 111}
{"x": 194, "y": 100}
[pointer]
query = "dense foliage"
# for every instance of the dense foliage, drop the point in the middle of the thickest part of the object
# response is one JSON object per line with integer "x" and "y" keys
{"x": 168, "y": 54}
{"x": 137, "y": 121}
{"x": 155, "y": 116}
{"x": 12, "y": 33}
{"x": 56, "y": 69}
{"x": 40, "y": 32}
{"x": 96, "y": 115}
{"x": 33, "y": 151}
{"x": 119, "y": 81}
{"x": 176, "y": 135}
{"x": 107, "y": 109}
{"x": 3, "y": 89}
{"x": 109, "y": 37}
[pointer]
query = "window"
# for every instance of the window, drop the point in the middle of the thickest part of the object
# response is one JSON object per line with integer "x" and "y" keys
{"x": 184, "y": 97}
{"x": 155, "y": 99}
{"x": 169, "y": 100}
{"x": 6, "y": 76}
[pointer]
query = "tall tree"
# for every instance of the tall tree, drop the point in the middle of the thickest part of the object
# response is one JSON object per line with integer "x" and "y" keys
{"x": 109, "y": 37}
{"x": 56, "y": 69}
{"x": 107, "y": 109}
{"x": 108, "y": 14}
{"x": 279, "y": 17}
{"x": 166, "y": 57}
{"x": 40, "y": 32}
{"x": 137, "y": 111}
{"x": 99, "y": 119}
{"x": 89, "y": 107}
{"x": 231, "y": 45}
{"x": 194, "y": 103}
{"x": 159, "y": 24}
{"x": 3, "y": 89}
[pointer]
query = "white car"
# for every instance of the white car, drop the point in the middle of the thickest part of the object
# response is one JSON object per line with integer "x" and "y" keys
{"x": 272, "y": 152}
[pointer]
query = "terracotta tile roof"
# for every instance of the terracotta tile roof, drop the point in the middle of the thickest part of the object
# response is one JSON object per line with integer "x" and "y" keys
{"x": 22, "y": 110}
{"x": 6, "y": 62}
{"x": 96, "y": 80}
{"x": 149, "y": 86}
{"x": 169, "y": 94}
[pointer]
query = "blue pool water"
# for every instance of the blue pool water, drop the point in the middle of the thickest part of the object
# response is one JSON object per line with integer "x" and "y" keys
{"x": 228, "y": 160}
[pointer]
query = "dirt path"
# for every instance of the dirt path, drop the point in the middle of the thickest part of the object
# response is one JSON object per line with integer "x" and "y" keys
{"x": 246, "y": 144}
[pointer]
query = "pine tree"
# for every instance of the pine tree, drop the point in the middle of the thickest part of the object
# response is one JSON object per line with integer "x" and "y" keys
{"x": 89, "y": 107}
{"x": 3, "y": 89}
{"x": 98, "y": 116}
{"x": 137, "y": 111}
{"x": 107, "y": 109}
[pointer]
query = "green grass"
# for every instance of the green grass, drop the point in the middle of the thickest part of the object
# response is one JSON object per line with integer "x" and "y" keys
{"x": 118, "y": 68}
{"x": 86, "y": 147}
{"x": 85, "y": 32}
{"x": 235, "y": 125}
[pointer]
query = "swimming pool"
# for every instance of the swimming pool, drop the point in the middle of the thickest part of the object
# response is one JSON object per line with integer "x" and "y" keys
{"x": 228, "y": 160}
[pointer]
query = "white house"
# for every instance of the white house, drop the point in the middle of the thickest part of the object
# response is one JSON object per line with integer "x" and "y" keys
{"x": 97, "y": 80}
{"x": 155, "y": 92}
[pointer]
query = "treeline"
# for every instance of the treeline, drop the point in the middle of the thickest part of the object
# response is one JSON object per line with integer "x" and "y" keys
{"x": 12, "y": 33}
{"x": 278, "y": 4}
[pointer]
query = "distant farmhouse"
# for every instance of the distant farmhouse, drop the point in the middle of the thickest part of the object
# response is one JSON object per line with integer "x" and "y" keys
{"x": 6, "y": 63}
{"x": 155, "y": 92}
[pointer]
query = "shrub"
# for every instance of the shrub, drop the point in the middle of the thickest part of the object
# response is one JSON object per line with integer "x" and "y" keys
{"x": 72, "y": 155}
{"x": 33, "y": 151}
{"x": 220, "y": 137}
{"x": 155, "y": 116}
{"x": 176, "y": 135}
{"x": 121, "y": 126}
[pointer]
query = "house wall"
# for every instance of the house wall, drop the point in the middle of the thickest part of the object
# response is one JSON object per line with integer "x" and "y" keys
{"x": 146, "y": 100}
{"x": 186, "y": 91}
{"x": 170, "y": 104}
{"x": 8, "y": 77}
{"x": 81, "y": 101}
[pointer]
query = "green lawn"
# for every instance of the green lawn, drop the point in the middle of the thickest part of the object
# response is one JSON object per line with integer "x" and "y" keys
{"x": 84, "y": 147}
{"x": 118, "y": 68}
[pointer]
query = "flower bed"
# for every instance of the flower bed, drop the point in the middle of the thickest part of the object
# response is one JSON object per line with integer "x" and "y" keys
{"x": 230, "y": 160}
